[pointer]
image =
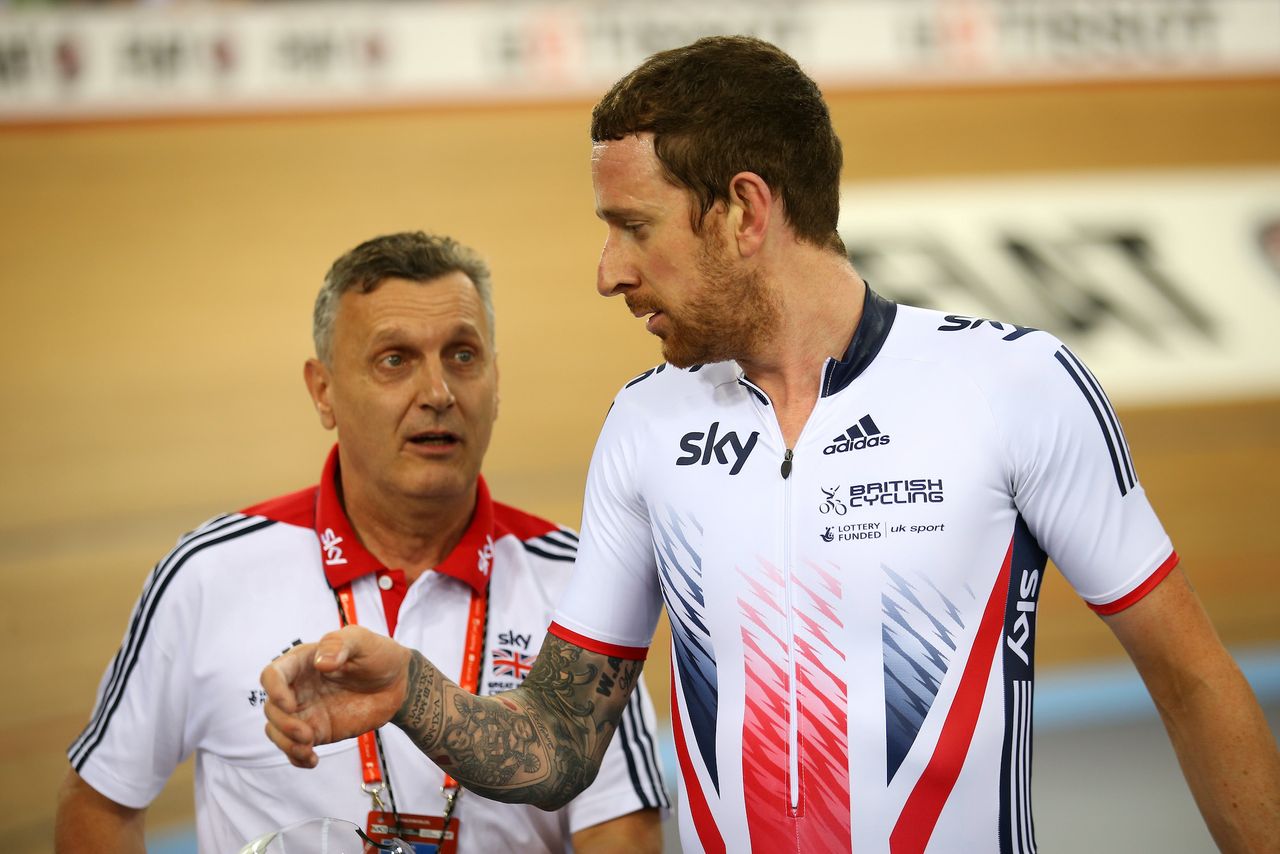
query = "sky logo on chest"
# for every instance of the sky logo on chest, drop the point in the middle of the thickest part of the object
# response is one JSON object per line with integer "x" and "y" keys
{"x": 713, "y": 445}
{"x": 863, "y": 434}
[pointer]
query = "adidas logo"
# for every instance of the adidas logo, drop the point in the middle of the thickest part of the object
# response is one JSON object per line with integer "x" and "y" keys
{"x": 864, "y": 434}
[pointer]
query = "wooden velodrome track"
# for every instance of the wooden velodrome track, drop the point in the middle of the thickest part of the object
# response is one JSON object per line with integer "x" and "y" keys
{"x": 158, "y": 279}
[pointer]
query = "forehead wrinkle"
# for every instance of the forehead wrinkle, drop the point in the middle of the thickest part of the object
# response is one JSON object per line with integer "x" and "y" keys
{"x": 397, "y": 330}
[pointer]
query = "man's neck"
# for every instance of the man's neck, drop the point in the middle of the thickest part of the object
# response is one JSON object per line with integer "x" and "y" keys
{"x": 405, "y": 534}
{"x": 821, "y": 305}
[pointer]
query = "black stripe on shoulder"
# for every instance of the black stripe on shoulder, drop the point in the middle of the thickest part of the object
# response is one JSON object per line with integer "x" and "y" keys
{"x": 649, "y": 373}
{"x": 1105, "y": 403}
{"x": 532, "y": 549}
{"x": 1069, "y": 364}
{"x": 559, "y": 540}
{"x": 219, "y": 530}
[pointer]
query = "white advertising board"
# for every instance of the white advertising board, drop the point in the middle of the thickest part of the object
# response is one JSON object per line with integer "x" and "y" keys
{"x": 1166, "y": 283}
{"x": 75, "y": 62}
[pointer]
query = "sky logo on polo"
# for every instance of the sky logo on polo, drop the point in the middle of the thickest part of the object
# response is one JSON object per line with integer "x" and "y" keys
{"x": 863, "y": 434}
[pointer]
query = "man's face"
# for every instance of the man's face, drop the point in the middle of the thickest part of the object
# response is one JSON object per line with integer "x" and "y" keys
{"x": 412, "y": 388}
{"x": 698, "y": 295}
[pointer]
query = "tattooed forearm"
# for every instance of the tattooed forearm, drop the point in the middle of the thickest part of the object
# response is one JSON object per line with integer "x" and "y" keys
{"x": 421, "y": 714}
{"x": 541, "y": 743}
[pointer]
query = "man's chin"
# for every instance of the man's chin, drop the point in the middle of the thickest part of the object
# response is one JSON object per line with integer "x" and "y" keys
{"x": 686, "y": 357}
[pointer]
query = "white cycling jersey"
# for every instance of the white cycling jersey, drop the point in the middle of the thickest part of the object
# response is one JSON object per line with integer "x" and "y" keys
{"x": 853, "y": 619}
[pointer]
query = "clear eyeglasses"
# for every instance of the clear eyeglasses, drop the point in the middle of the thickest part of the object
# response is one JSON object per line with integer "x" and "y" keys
{"x": 323, "y": 836}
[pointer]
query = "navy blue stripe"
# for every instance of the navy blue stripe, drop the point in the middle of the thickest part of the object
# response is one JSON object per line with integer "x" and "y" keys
{"x": 1026, "y": 580}
{"x": 532, "y": 549}
{"x": 647, "y": 750}
{"x": 877, "y": 319}
{"x": 170, "y": 570}
{"x": 567, "y": 534}
{"x": 550, "y": 539}
{"x": 757, "y": 393}
{"x": 128, "y": 647}
{"x": 625, "y": 737}
{"x": 1111, "y": 416}
{"x": 1102, "y": 422}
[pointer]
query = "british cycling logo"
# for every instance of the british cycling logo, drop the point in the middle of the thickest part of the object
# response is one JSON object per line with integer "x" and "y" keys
{"x": 700, "y": 448}
{"x": 916, "y": 490}
{"x": 864, "y": 434}
{"x": 838, "y": 501}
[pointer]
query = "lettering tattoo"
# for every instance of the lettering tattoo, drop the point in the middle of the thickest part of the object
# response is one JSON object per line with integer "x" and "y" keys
{"x": 541, "y": 743}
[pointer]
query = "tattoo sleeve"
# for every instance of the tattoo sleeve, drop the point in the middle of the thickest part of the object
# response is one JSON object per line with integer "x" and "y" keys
{"x": 541, "y": 743}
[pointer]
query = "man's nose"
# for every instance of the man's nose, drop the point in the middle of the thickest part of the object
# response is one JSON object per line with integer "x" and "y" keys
{"x": 433, "y": 390}
{"x": 614, "y": 273}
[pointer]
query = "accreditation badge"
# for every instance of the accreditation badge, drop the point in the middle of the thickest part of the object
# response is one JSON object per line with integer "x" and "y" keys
{"x": 426, "y": 834}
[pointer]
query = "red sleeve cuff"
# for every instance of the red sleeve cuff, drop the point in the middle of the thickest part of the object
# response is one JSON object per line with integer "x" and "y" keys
{"x": 1140, "y": 591}
{"x": 633, "y": 653}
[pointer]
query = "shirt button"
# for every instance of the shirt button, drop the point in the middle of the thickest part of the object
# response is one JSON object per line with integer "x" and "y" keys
{"x": 385, "y": 582}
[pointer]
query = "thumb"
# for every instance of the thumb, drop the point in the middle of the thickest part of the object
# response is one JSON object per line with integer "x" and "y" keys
{"x": 331, "y": 653}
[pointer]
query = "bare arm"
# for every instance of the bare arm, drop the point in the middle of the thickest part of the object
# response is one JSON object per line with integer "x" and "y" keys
{"x": 639, "y": 832}
{"x": 541, "y": 743}
{"x": 89, "y": 821}
{"x": 1219, "y": 734}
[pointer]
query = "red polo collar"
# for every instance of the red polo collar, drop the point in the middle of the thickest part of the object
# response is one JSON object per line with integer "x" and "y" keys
{"x": 346, "y": 559}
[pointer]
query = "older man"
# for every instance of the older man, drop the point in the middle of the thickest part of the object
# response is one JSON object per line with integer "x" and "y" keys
{"x": 400, "y": 536}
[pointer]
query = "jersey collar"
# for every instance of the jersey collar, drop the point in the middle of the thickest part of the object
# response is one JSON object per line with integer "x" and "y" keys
{"x": 878, "y": 314}
{"x": 346, "y": 559}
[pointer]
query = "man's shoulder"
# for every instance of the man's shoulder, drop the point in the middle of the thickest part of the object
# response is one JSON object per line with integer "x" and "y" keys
{"x": 664, "y": 387}
{"x": 293, "y": 508}
{"x": 988, "y": 350}
{"x": 537, "y": 536}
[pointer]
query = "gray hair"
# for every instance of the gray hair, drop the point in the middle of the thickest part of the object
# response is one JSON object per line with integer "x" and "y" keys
{"x": 413, "y": 255}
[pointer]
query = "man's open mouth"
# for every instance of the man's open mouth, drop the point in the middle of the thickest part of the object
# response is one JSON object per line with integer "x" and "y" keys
{"x": 434, "y": 438}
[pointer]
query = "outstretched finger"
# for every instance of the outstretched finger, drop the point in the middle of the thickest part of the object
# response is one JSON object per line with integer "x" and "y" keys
{"x": 294, "y": 737}
{"x": 299, "y": 754}
{"x": 279, "y": 677}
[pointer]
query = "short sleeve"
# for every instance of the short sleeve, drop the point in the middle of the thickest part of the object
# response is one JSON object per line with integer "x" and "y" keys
{"x": 612, "y": 603}
{"x": 1074, "y": 482}
{"x": 135, "y": 737}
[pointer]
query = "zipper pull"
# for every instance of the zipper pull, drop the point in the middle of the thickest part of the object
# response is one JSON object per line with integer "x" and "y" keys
{"x": 786, "y": 464}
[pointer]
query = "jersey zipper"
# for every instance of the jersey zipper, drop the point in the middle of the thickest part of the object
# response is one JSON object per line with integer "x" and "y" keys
{"x": 793, "y": 695}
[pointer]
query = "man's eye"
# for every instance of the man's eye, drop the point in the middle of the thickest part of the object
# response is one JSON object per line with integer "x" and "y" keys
{"x": 466, "y": 357}
{"x": 393, "y": 360}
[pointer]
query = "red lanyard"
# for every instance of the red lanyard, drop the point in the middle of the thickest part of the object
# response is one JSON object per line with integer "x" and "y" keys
{"x": 468, "y": 679}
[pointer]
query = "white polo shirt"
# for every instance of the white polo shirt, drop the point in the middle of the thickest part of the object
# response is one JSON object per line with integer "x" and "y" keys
{"x": 853, "y": 618}
{"x": 244, "y": 587}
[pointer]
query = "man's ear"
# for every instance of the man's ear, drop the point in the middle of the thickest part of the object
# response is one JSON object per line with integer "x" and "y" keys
{"x": 319, "y": 386}
{"x": 751, "y": 205}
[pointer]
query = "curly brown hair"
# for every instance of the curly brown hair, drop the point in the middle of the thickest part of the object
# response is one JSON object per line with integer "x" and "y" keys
{"x": 728, "y": 104}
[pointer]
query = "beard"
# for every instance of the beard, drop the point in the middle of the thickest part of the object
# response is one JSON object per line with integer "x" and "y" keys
{"x": 731, "y": 315}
